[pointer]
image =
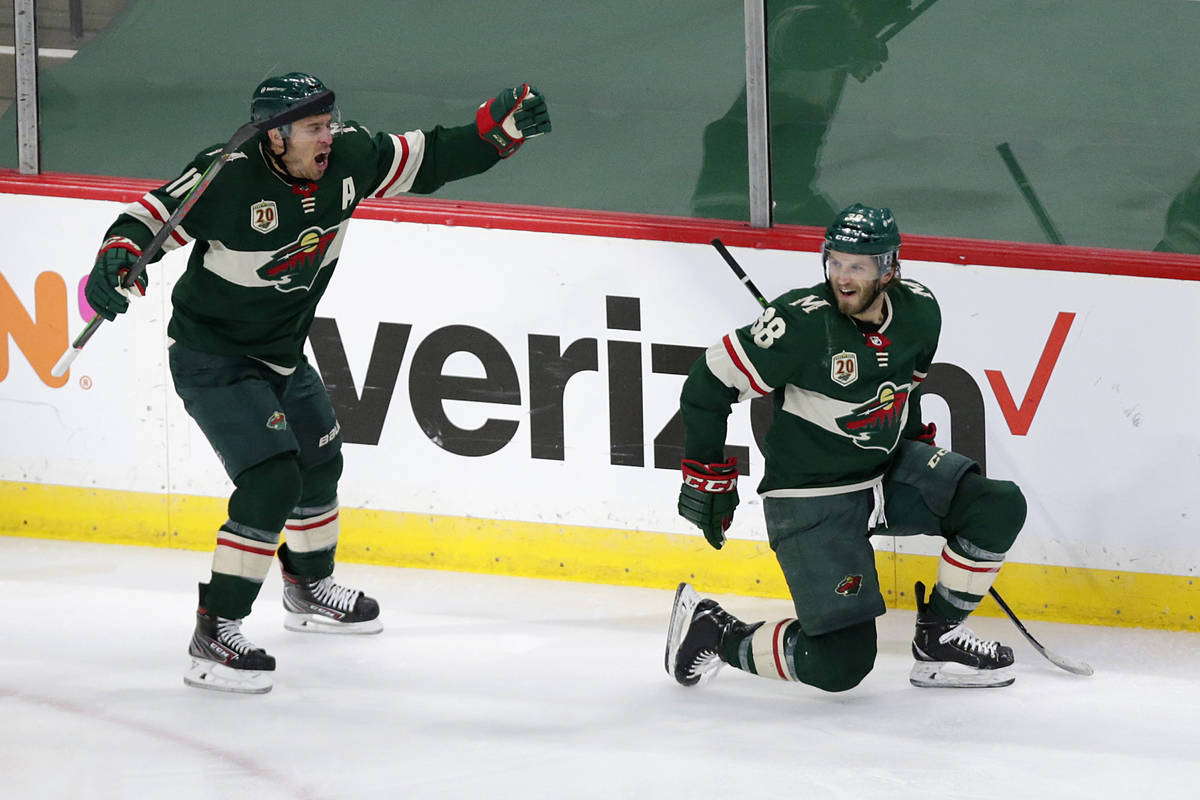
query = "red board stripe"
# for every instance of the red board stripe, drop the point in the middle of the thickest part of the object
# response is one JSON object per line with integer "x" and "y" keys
{"x": 977, "y": 252}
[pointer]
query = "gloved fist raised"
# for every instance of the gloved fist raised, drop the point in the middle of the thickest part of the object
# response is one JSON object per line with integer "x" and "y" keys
{"x": 511, "y": 117}
{"x": 709, "y": 496}
{"x": 105, "y": 291}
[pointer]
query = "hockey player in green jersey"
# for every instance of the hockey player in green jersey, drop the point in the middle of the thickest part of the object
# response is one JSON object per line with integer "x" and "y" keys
{"x": 267, "y": 233}
{"x": 847, "y": 456}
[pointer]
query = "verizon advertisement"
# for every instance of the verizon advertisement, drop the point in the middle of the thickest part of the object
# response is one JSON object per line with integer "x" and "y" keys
{"x": 533, "y": 376}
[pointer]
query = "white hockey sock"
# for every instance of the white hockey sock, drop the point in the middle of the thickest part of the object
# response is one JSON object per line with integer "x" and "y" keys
{"x": 244, "y": 552}
{"x": 311, "y": 530}
{"x": 959, "y": 575}
{"x": 767, "y": 644}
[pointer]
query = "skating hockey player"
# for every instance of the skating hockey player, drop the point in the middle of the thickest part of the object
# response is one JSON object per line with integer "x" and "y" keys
{"x": 267, "y": 234}
{"x": 847, "y": 456}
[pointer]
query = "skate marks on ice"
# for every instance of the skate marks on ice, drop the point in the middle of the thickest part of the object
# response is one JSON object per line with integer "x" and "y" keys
{"x": 503, "y": 688}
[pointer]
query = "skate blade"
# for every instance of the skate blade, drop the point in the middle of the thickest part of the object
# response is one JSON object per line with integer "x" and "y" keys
{"x": 949, "y": 675}
{"x": 205, "y": 674}
{"x": 681, "y": 615}
{"x": 315, "y": 623}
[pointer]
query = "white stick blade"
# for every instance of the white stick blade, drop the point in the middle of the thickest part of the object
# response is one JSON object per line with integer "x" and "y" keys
{"x": 1069, "y": 664}
{"x": 65, "y": 362}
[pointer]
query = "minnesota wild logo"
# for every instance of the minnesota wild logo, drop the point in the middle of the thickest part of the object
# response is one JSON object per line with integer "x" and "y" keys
{"x": 296, "y": 266}
{"x": 876, "y": 424}
{"x": 849, "y": 585}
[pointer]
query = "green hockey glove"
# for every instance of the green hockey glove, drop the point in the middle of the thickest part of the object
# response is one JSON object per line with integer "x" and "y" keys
{"x": 709, "y": 496}
{"x": 511, "y": 117}
{"x": 105, "y": 291}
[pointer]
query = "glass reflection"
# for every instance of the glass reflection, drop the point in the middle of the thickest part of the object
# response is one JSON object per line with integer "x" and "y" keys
{"x": 813, "y": 47}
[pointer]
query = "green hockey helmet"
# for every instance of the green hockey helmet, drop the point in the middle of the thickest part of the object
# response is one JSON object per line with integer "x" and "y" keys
{"x": 278, "y": 94}
{"x": 865, "y": 230}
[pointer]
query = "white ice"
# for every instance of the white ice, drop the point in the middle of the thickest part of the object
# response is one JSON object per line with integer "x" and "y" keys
{"x": 493, "y": 687}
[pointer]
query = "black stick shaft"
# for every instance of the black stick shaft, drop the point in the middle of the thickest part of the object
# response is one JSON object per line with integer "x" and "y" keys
{"x": 904, "y": 23}
{"x": 739, "y": 272}
{"x": 1031, "y": 198}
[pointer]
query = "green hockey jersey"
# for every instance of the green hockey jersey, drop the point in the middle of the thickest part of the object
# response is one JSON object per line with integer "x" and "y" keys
{"x": 843, "y": 397}
{"x": 266, "y": 245}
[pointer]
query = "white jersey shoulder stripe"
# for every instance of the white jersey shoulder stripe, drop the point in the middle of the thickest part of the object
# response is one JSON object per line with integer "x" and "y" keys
{"x": 150, "y": 211}
{"x": 409, "y": 152}
{"x": 727, "y": 361}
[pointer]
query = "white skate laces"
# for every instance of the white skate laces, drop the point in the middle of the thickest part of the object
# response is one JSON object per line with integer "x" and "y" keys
{"x": 330, "y": 594}
{"x": 965, "y": 638}
{"x": 229, "y": 634}
{"x": 705, "y": 665}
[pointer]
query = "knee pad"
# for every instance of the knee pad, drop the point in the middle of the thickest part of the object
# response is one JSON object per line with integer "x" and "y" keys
{"x": 320, "y": 483}
{"x": 839, "y": 660}
{"x": 266, "y": 493}
{"x": 987, "y": 515}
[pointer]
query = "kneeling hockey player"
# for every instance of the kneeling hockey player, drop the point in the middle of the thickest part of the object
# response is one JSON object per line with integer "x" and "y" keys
{"x": 846, "y": 456}
{"x": 267, "y": 234}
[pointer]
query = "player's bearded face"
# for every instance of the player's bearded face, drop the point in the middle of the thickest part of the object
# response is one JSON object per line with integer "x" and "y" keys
{"x": 308, "y": 147}
{"x": 855, "y": 281}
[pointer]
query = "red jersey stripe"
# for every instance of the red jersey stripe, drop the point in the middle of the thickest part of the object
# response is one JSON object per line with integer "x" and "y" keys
{"x": 737, "y": 362}
{"x": 399, "y": 169}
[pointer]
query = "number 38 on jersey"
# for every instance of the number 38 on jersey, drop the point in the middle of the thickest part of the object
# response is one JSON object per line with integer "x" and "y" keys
{"x": 768, "y": 328}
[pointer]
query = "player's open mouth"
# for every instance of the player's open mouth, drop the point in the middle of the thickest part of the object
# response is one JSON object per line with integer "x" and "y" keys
{"x": 322, "y": 159}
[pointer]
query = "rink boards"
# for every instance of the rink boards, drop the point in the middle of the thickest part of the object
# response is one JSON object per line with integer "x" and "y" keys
{"x": 507, "y": 380}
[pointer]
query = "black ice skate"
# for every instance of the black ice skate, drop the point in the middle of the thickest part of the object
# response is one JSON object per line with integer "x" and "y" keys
{"x": 949, "y": 654}
{"x": 225, "y": 660}
{"x": 694, "y": 636}
{"x": 322, "y": 606}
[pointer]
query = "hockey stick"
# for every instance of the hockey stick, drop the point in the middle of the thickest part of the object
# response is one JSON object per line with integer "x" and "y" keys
{"x": 242, "y": 135}
{"x": 1069, "y": 664}
{"x": 1027, "y": 192}
{"x": 739, "y": 272}
{"x": 1074, "y": 667}
{"x": 904, "y": 23}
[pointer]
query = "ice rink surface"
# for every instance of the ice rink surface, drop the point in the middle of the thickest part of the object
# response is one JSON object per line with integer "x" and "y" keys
{"x": 493, "y": 687}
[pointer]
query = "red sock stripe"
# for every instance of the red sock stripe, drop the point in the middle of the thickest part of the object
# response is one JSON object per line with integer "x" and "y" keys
{"x": 311, "y": 525}
{"x": 956, "y": 563}
{"x": 777, "y": 648}
{"x": 245, "y": 547}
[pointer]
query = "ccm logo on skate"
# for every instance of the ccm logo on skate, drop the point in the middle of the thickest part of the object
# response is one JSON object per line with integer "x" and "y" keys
{"x": 223, "y": 655}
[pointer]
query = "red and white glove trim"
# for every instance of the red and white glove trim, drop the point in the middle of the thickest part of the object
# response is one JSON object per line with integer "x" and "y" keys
{"x": 503, "y": 135}
{"x": 138, "y": 289}
{"x": 928, "y": 434}
{"x": 123, "y": 242}
{"x": 712, "y": 478}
